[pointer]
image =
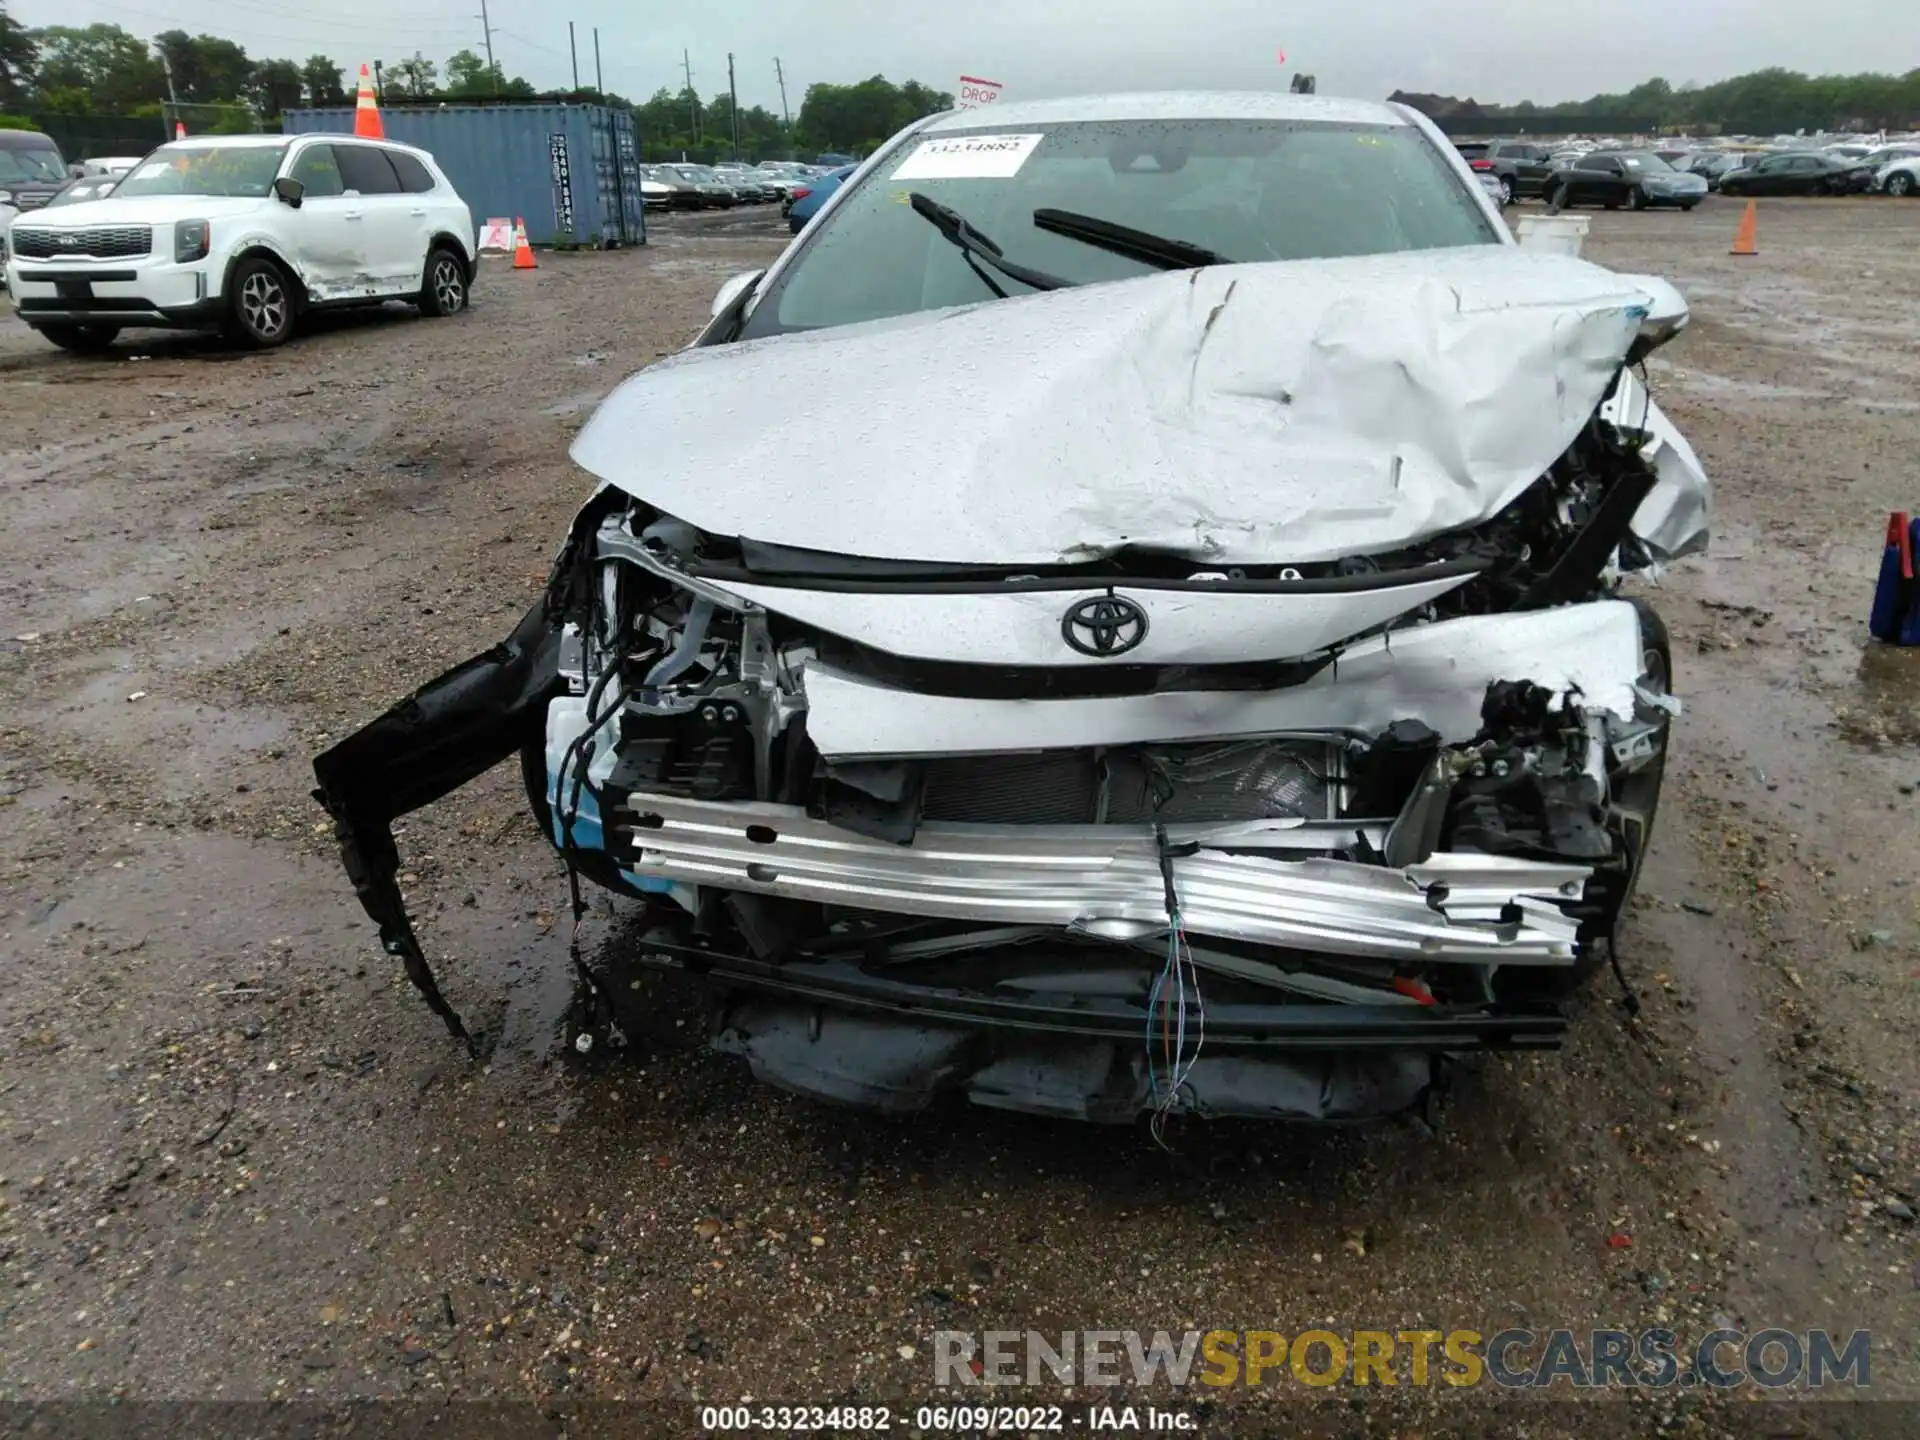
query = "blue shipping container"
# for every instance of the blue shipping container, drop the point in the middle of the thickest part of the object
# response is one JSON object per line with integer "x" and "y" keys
{"x": 572, "y": 172}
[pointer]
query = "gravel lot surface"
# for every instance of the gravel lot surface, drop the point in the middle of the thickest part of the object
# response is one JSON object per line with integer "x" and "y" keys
{"x": 239, "y": 1160}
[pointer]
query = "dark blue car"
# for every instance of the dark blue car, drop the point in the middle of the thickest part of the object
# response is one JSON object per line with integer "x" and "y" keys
{"x": 808, "y": 199}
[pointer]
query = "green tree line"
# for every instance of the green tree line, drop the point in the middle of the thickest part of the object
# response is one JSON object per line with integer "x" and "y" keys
{"x": 850, "y": 119}
{"x": 1766, "y": 102}
{"x": 105, "y": 70}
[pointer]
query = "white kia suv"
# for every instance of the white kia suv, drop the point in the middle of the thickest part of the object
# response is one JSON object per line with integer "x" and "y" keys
{"x": 244, "y": 234}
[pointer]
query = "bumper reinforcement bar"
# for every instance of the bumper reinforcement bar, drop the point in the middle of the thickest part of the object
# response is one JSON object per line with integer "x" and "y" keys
{"x": 1105, "y": 880}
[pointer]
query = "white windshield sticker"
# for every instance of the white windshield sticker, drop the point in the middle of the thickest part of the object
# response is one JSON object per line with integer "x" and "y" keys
{"x": 968, "y": 157}
{"x": 151, "y": 169}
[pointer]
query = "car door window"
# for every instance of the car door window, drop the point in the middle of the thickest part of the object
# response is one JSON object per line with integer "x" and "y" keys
{"x": 396, "y": 252}
{"x": 367, "y": 170}
{"x": 318, "y": 172}
{"x": 415, "y": 178}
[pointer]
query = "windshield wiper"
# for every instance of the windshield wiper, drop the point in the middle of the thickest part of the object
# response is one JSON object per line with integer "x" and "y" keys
{"x": 1157, "y": 250}
{"x": 978, "y": 248}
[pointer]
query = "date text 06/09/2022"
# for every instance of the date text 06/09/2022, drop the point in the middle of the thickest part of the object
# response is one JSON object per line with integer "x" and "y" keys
{"x": 963, "y": 1419}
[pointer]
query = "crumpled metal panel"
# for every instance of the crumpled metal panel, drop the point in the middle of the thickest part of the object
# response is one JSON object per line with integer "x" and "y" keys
{"x": 1271, "y": 413}
{"x": 1676, "y": 516}
{"x": 1107, "y": 880}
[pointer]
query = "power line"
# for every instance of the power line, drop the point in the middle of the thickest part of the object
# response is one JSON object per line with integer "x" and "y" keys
{"x": 352, "y": 22}
{"x": 530, "y": 44}
{"x": 421, "y": 23}
{"x": 317, "y": 36}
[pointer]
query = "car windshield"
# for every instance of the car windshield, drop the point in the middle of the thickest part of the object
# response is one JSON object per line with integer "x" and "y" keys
{"x": 1645, "y": 161}
{"x": 697, "y": 174}
{"x": 1249, "y": 190}
{"x": 232, "y": 170}
{"x": 30, "y": 167}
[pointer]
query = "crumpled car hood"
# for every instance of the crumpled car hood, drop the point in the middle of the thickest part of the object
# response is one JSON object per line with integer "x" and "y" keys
{"x": 1296, "y": 411}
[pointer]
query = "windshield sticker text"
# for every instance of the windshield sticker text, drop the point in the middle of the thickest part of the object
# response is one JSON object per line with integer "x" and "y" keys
{"x": 969, "y": 157}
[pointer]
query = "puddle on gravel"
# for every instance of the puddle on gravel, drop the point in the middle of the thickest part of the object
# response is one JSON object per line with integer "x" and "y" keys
{"x": 1882, "y": 707}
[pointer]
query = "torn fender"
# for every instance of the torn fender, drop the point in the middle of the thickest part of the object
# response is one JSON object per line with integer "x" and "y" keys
{"x": 436, "y": 740}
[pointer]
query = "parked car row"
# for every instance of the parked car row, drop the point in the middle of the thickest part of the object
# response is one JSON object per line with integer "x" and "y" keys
{"x": 1682, "y": 175}
{"x": 684, "y": 185}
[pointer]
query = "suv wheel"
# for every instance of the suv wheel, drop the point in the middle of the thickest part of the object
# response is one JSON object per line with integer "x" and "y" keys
{"x": 81, "y": 339}
{"x": 444, "y": 288}
{"x": 1506, "y": 191}
{"x": 260, "y": 303}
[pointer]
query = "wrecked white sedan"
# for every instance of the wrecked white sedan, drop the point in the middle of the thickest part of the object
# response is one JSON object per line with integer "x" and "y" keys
{"x": 1137, "y": 629}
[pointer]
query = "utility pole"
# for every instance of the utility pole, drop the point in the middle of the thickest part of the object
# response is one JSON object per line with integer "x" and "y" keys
{"x": 574, "y": 51}
{"x": 733, "y": 105}
{"x": 598, "y": 85}
{"x": 379, "y": 85}
{"x": 693, "y": 100}
{"x": 173, "y": 100}
{"x": 785, "y": 114}
{"x": 486, "y": 29}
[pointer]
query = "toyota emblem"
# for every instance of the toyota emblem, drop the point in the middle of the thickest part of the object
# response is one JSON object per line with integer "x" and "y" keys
{"x": 1103, "y": 626}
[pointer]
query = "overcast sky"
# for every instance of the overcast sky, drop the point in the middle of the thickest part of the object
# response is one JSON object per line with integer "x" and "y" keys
{"x": 1504, "y": 50}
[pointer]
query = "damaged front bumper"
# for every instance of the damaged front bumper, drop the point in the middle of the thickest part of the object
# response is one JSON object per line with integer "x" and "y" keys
{"x": 1344, "y": 960}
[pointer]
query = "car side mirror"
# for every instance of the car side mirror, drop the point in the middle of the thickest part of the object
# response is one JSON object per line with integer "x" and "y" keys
{"x": 732, "y": 290}
{"x": 290, "y": 190}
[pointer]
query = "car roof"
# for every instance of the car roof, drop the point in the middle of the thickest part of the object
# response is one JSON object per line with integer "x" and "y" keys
{"x": 1171, "y": 105}
{"x": 208, "y": 142}
{"x": 25, "y": 140}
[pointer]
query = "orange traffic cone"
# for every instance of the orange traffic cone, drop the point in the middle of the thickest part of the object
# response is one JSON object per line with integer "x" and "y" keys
{"x": 179, "y": 130}
{"x": 366, "y": 113}
{"x": 522, "y": 251}
{"x": 1746, "y": 237}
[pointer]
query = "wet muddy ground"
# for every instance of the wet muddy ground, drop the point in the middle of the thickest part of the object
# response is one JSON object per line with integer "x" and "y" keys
{"x": 240, "y": 1161}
